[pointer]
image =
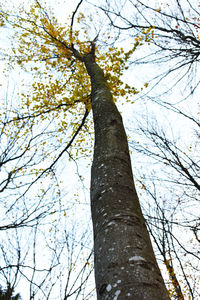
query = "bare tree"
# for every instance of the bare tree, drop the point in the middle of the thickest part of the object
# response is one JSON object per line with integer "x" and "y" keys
{"x": 172, "y": 199}
{"x": 38, "y": 239}
{"x": 174, "y": 45}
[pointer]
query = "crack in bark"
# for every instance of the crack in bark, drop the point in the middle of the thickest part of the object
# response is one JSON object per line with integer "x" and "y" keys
{"x": 126, "y": 219}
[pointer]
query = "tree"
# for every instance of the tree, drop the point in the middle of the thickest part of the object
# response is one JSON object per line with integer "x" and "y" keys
{"x": 124, "y": 267}
{"x": 120, "y": 213}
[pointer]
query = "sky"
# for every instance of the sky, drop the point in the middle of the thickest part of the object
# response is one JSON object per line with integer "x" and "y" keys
{"x": 68, "y": 170}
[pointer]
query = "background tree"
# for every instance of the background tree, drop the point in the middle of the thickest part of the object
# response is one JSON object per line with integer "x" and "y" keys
{"x": 173, "y": 201}
{"x": 34, "y": 250}
{"x": 175, "y": 36}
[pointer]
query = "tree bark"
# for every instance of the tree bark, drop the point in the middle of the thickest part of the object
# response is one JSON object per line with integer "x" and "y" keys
{"x": 124, "y": 261}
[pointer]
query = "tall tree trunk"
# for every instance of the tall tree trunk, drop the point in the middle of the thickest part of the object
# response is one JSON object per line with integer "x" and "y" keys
{"x": 125, "y": 265}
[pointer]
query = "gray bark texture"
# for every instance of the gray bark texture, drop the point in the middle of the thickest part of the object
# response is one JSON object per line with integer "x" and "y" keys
{"x": 124, "y": 261}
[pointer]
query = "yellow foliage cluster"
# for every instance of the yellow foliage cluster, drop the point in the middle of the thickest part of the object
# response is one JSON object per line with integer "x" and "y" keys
{"x": 44, "y": 48}
{"x": 176, "y": 289}
{"x": 173, "y": 278}
{"x": 60, "y": 84}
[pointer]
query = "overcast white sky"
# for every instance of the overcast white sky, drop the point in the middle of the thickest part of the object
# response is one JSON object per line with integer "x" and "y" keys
{"x": 130, "y": 113}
